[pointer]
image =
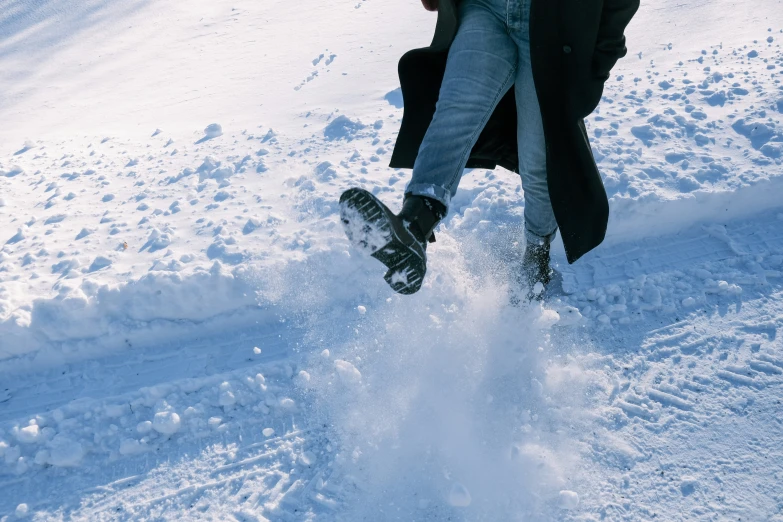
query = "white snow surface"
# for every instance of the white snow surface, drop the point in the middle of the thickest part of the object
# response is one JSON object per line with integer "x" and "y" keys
{"x": 186, "y": 333}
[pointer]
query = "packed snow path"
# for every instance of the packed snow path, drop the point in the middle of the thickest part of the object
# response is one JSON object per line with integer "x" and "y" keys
{"x": 186, "y": 334}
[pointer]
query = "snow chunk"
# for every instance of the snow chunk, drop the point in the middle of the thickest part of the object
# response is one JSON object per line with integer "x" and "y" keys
{"x": 157, "y": 240}
{"x": 22, "y": 466}
{"x": 688, "y": 485}
{"x": 570, "y": 316}
{"x": 395, "y": 98}
{"x": 343, "y": 127}
{"x": 251, "y": 225}
{"x": 166, "y": 422}
{"x": 19, "y": 236}
{"x": 29, "y": 434}
{"x": 213, "y": 130}
{"x": 55, "y": 219}
{"x": 268, "y": 432}
{"x": 302, "y": 379}
{"x": 324, "y": 171}
{"x": 99, "y": 263}
{"x": 65, "y": 452}
{"x": 15, "y": 171}
{"x": 226, "y": 397}
{"x": 568, "y": 499}
{"x": 211, "y": 168}
{"x": 347, "y": 372}
{"x": 459, "y": 496}
{"x": 144, "y": 427}
{"x": 287, "y": 404}
{"x": 547, "y": 319}
{"x": 132, "y": 447}
{"x": 644, "y": 132}
{"x": 84, "y": 233}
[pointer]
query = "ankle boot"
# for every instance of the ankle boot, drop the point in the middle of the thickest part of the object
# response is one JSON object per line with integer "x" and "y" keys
{"x": 536, "y": 271}
{"x": 397, "y": 241}
{"x": 421, "y": 215}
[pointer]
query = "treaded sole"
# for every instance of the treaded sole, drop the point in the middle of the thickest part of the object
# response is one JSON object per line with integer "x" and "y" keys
{"x": 372, "y": 227}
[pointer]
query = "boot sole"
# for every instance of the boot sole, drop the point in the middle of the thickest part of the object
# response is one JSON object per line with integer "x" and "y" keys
{"x": 373, "y": 228}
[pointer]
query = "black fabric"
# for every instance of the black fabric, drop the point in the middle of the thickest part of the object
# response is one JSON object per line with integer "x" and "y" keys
{"x": 574, "y": 45}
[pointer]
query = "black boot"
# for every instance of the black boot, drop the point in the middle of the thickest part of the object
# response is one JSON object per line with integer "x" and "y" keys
{"x": 397, "y": 241}
{"x": 536, "y": 269}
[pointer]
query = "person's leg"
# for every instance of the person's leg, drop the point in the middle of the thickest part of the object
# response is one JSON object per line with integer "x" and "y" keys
{"x": 480, "y": 69}
{"x": 540, "y": 223}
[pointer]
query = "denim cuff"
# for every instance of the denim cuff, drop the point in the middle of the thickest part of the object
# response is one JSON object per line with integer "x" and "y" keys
{"x": 430, "y": 191}
{"x": 537, "y": 239}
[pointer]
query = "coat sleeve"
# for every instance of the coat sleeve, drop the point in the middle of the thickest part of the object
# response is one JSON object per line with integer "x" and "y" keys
{"x": 610, "y": 44}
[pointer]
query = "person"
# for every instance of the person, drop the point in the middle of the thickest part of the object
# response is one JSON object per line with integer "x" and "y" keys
{"x": 504, "y": 82}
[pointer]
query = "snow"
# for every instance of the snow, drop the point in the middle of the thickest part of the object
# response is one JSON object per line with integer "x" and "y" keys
{"x": 168, "y": 423}
{"x": 459, "y": 496}
{"x": 347, "y": 372}
{"x": 213, "y": 130}
{"x": 29, "y": 434}
{"x": 185, "y": 331}
{"x": 65, "y": 452}
{"x": 569, "y": 499}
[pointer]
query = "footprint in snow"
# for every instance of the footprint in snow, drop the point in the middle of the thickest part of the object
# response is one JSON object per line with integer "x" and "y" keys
{"x": 316, "y": 61}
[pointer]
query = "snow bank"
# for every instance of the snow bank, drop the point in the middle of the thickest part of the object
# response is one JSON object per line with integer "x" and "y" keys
{"x": 109, "y": 317}
{"x": 659, "y": 216}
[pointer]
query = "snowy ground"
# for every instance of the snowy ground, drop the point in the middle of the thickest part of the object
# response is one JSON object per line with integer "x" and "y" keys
{"x": 185, "y": 332}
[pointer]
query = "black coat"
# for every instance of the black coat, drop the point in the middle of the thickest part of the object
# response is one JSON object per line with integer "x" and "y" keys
{"x": 574, "y": 45}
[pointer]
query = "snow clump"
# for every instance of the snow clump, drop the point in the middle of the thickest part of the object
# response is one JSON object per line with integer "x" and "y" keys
{"x": 166, "y": 422}
{"x": 65, "y": 452}
{"x": 29, "y": 434}
{"x": 213, "y": 130}
{"x": 347, "y": 372}
{"x": 568, "y": 499}
{"x": 343, "y": 127}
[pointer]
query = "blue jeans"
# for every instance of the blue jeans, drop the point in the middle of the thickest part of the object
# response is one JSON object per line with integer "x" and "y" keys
{"x": 490, "y": 52}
